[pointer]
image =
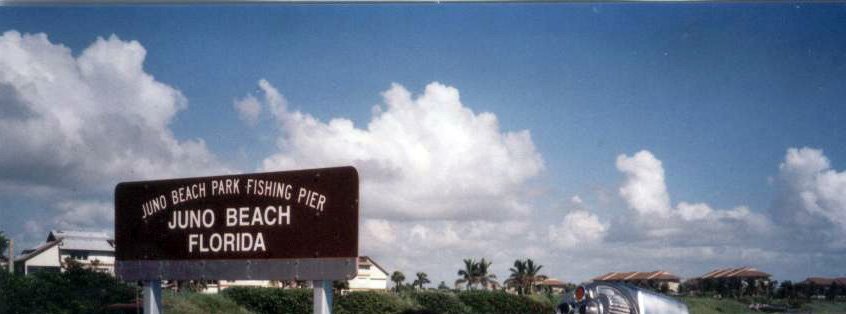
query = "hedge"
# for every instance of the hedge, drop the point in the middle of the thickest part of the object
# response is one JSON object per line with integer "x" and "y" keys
{"x": 74, "y": 291}
{"x": 371, "y": 302}
{"x": 439, "y": 302}
{"x": 272, "y": 300}
{"x": 499, "y": 302}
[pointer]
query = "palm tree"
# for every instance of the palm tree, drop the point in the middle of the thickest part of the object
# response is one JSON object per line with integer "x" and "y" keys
{"x": 95, "y": 265}
{"x": 532, "y": 276}
{"x": 524, "y": 276}
{"x": 467, "y": 274}
{"x": 340, "y": 286}
{"x": 443, "y": 286}
{"x": 484, "y": 278}
{"x": 518, "y": 277}
{"x": 422, "y": 279}
{"x": 397, "y": 277}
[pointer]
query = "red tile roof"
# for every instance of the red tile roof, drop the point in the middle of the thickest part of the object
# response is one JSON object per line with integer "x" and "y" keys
{"x": 742, "y": 272}
{"x": 631, "y": 276}
{"x": 552, "y": 283}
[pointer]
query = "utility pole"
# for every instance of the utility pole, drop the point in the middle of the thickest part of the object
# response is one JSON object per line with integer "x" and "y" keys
{"x": 11, "y": 256}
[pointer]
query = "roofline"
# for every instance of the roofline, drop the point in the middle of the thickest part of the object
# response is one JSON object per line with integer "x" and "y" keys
{"x": 732, "y": 273}
{"x": 650, "y": 275}
{"x": 376, "y": 264}
{"x": 32, "y": 254}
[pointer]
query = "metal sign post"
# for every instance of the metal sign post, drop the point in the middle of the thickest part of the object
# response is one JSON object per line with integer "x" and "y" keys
{"x": 152, "y": 297}
{"x": 322, "y": 296}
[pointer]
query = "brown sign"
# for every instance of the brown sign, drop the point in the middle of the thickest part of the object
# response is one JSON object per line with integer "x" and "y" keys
{"x": 276, "y": 225}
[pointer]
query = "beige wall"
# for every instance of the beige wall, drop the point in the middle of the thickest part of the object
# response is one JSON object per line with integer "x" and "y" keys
{"x": 369, "y": 279}
{"x": 47, "y": 258}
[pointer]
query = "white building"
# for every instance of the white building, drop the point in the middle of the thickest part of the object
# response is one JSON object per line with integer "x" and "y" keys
{"x": 370, "y": 276}
{"x": 91, "y": 249}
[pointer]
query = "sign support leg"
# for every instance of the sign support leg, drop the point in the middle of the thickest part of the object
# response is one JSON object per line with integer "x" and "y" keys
{"x": 152, "y": 297}
{"x": 322, "y": 296}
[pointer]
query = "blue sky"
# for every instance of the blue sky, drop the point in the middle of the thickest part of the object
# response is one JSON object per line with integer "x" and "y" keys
{"x": 717, "y": 92}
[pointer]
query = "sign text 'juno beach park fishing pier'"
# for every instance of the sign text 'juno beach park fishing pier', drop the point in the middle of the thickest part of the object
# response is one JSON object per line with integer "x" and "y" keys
{"x": 274, "y": 226}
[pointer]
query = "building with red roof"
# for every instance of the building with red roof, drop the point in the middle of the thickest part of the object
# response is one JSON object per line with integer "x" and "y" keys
{"x": 654, "y": 279}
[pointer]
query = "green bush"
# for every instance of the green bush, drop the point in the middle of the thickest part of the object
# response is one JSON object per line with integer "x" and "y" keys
{"x": 371, "y": 302}
{"x": 272, "y": 300}
{"x": 199, "y": 303}
{"x": 439, "y": 302}
{"x": 77, "y": 290}
{"x": 498, "y": 302}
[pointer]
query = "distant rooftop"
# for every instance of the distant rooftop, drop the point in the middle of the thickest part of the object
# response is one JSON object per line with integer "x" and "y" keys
{"x": 637, "y": 275}
{"x": 551, "y": 282}
{"x": 82, "y": 240}
{"x": 366, "y": 260}
{"x": 29, "y": 253}
{"x": 71, "y": 240}
{"x": 742, "y": 272}
{"x": 57, "y": 234}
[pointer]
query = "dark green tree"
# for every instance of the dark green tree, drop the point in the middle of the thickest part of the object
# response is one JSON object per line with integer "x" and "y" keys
{"x": 443, "y": 286}
{"x": 486, "y": 278}
{"x": 422, "y": 279}
{"x": 4, "y": 244}
{"x": 467, "y": 274}
{"x": 397, "y": 277}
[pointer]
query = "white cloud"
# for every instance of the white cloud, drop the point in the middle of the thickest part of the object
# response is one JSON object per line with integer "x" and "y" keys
{"x": 686, "y": 224}
{"x": 89, "y": 120}
{"x": 811, "y": 190}
{"x": 439, "y": 182}
{"x": 423, "y": 157}
{"x": 811, "y": 202}
{"x": 644, "y": 189}
{"x": 578, "y": 229}
{"x": 694, "y": 211}
{"x": 72, "y": 125}
{"x": 576, "y": 200}
{"x": 248, "y": 109}
{"x": 74, "y": 214}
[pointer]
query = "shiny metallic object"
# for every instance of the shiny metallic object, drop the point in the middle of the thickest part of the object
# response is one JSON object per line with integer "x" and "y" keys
{"x": 619, "y": 298}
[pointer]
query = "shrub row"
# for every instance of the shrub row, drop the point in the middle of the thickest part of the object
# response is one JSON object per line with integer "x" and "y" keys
{"x": 74, "y": 291}
{"x": 296, "y": 301}
{"x": 270, "y": 300}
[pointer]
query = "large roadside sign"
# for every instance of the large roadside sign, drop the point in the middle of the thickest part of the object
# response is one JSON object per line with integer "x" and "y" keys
{"x": 274, "y": 226}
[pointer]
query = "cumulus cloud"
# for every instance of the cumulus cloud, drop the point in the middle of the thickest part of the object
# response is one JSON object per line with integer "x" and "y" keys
{"x": 439, "y": 182}
{"x": 75, "y": 214}
{"x": 811, "y": 201}
{"x": 248, "y": 109}
{"x": 579, "y": 228}
{"x": 644, "y": 189}
{"x": 420, "y": 157}
{"x": 811, "y": 190}
{"x": 88, "y": 120}
{"x": 72, "y": 125}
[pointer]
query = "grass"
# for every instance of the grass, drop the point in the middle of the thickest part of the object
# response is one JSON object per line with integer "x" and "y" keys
{"x": 200, "y": 303}
{"x": 819, "y": 307}
{"x": 700, "y": 305}
{"x": 196, "y": 303}
{"x": 704, "y": 305}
